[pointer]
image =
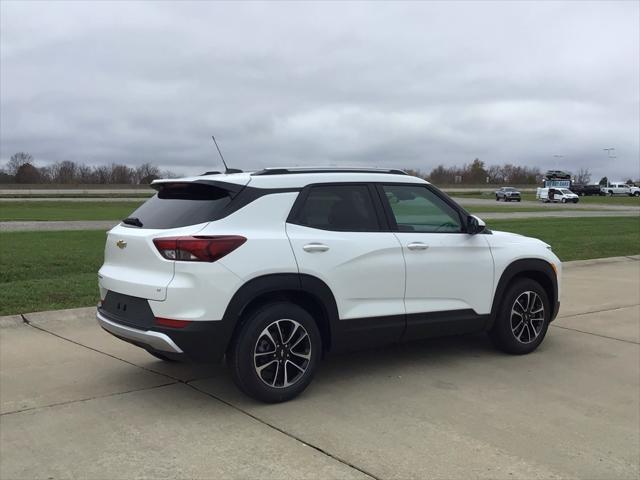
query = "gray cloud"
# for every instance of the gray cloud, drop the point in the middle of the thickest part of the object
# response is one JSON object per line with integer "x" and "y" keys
{"x": 394, "y": 84}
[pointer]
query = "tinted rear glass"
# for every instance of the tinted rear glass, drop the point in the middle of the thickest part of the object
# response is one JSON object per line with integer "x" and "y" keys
{"x": 339, "y": 207}
{"x": 181, "y": 204}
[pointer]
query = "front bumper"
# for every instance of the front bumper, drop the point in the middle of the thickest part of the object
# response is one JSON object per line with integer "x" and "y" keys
{"x": 154, "y": 340}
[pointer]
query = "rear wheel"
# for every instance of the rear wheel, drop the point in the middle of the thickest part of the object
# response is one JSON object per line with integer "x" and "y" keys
{"x": 522, "y": 321}
{"x": 274, "y": 356}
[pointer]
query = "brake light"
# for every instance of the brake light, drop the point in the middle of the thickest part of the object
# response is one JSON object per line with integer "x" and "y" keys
{"x": 169, "y": 322}
{"x": 198, "y": 249}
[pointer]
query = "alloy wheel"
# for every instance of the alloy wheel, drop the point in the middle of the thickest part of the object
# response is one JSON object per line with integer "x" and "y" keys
{"x": 282, "y": 353}
{"x": 527, "y": 317}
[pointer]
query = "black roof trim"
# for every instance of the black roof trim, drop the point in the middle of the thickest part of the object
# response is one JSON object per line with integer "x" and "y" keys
{"x": 289, "y": 171}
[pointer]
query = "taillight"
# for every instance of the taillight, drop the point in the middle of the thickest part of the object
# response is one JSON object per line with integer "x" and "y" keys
{"x": 198, "y": 249}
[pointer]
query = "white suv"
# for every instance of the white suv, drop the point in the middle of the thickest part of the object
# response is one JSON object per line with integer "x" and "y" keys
{"x": 275, "y": 268}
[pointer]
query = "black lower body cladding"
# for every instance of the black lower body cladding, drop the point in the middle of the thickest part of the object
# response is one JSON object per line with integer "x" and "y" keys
{"x": 201, "y": 341}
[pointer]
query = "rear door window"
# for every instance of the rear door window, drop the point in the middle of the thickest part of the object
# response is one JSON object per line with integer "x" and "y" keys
{"x": 181, "y": 204}
{"x": 346, "y": 208}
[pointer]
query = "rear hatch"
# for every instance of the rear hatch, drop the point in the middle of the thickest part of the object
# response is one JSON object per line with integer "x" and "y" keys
{"x": 132, "y": 264}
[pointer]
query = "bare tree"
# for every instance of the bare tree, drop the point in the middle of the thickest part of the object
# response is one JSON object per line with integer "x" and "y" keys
{"x": 583, "y": 177}
{"x": 85, "y": 174}
{"x": 27, "y": 173}
{"x": 17, "y": 160}
{"x": 121, "y": 174}
{"x": 64, "y": 172}
{"x": 147, "y": 173}
{"x": 102, "y": 175}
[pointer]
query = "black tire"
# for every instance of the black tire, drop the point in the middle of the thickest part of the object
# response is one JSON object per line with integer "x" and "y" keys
{"x": 497, "y": 198}
{"x": 518, "y": 199}
{"x": 246, "y": 343}
{"x": 161, "y": 356}
{"x": 636, "y": 194}
{"x": 564, "y": 200}
{"x": 502, "y": 333}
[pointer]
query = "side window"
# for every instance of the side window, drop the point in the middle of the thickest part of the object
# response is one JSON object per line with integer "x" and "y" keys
{"x": 347, "y": 208}
{"x": 418, "y": 209}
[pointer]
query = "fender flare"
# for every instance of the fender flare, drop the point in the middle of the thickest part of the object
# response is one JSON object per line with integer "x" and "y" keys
{"x": 534, "y": 268}
{"x": 281, "y": 282}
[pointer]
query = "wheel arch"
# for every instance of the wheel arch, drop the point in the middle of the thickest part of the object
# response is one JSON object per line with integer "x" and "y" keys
{"x": 306, "y": 291}
{"x": 534, "y": 268}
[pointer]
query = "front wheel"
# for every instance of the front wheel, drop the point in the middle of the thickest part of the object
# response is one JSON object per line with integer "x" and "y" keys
{"x": 564, "y": 200}
{"x": 523, "y": 318}
{"x": 275, "y": 354}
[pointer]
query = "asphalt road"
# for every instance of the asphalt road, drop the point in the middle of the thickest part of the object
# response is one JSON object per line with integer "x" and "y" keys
{"x": 75, "y": 402}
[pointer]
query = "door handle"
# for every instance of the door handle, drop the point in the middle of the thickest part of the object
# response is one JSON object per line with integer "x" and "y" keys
{"x": 315, "y": 247}
{"x": 417, "y": 246}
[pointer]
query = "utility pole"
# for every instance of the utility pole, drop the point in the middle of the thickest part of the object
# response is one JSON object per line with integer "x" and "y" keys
{"x": 557, "y": 156}
{"x": 609, "y": 157}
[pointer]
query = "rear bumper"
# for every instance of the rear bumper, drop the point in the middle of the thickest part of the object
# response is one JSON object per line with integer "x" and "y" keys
{"x": 153, "y": 340}
{"x": 199, "y": 341}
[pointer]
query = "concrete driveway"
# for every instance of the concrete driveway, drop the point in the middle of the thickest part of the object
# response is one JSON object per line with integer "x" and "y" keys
{"x": 76, "y": 402}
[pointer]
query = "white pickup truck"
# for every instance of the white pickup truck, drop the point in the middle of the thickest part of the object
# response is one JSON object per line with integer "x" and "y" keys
{"x": 619, "y": 188}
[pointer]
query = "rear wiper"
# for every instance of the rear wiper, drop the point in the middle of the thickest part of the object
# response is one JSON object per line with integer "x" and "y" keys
{"x": 132, "y": 221}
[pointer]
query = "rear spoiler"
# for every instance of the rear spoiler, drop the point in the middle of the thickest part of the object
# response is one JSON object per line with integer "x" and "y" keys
{"x": 233, "y": 188}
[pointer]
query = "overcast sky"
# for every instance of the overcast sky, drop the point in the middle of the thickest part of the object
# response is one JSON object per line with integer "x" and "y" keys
{"x": 406, "y": 85}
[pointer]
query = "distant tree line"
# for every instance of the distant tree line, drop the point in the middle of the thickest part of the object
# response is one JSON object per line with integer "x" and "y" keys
{"x": 21, "y": 168}
{"x": 477, "y": 172}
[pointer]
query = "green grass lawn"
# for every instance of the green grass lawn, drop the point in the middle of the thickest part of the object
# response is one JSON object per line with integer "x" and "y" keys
{"x": 61, "y": 210}
{"x": 580, "y": 238}
{"x": 49, "y": 270}
{"x": 78, "y": 195}
{"x": 502, "y": 209}
{"x": 54, "y": 270}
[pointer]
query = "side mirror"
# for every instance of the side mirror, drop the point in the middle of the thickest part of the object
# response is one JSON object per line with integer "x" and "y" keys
{"x": 475, "y": 225}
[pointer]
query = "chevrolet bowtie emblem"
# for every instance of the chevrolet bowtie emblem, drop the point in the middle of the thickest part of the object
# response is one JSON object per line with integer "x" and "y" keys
{"x": 121, "y": 244}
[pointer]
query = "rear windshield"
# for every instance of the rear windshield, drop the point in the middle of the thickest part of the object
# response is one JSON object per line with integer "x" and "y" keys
{"x": 181, "y": 204}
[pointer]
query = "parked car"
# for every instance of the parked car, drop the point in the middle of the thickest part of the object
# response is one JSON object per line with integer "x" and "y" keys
{"x": 557, "y": 175}
{"x": 585, "y": 190}
{"x": 508, "y": 194}
{"x": 561, "y": 195}
{"x": 619, "y": 188}
{"x": 276, "y": 268}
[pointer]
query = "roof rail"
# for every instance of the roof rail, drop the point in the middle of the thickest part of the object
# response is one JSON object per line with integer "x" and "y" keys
{"x": 292, "y": 170}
